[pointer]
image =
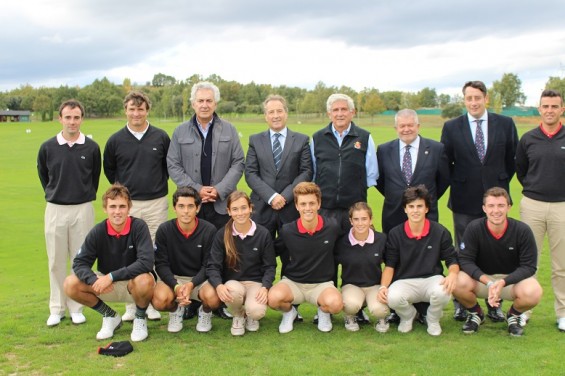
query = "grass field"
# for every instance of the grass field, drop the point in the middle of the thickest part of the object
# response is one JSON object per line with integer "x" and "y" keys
{"x": 29, "y": 347}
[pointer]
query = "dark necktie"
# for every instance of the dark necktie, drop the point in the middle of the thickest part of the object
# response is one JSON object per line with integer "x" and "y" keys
{"x": 277, "y": 151}
{"x": 480, "y": 141}
{"x": 407, "y": 165}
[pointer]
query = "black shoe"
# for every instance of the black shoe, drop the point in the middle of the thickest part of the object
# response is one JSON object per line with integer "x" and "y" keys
{"x": 362, "y": 318}
{"x": 495, "y": 313}
{"x": 421, "y": 319}
{"x": 514, "y": 326}
{"x": 393, "y": 318}
{"x": 191, "y": 310}
{"x": 223, "y": 313}
{"x": 474, "y": 320}
{"x": 460, "y": 313}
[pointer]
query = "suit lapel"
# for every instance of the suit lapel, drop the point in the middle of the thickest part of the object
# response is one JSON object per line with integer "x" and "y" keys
{"x": 395, "y": 158}
{"x": 423, "y": 154}
{"x": 287, "y": 147}
{"x": 267, "y": 149}
{"x": 491, "y": 131}
{"x": 468, "y": 137}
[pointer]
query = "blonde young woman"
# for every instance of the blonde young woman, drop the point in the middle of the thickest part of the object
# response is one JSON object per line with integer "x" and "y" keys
{"x": 360, "y": 253}
{"x": 242, "y": 265}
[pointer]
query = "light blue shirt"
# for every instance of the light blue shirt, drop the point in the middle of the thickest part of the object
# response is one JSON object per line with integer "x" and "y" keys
{"x": 370, "y": 158}
{"x": 484, "y": 126}
{"x": 202, "y": 130}
{"x": 414, "y": 146}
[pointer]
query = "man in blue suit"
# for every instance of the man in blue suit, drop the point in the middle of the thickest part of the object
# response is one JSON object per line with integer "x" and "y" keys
{"x": 276, "y": 161}
{"x": 480, "y": 146}
{"x": 408, "y": 161}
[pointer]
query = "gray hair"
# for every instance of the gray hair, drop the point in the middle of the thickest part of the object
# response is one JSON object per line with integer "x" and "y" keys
{"x": 204, "y": 85}
{"x": 340, "y": 97}
{"x": 275, "y": 97}
{"x": 407, "y": 112}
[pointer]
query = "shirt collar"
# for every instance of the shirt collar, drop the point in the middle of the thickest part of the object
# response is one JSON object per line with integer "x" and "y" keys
{"x": 550, "y": 135}
{"x": 424, "y": 233}
{"x": 187, "y": 234}
{"x": 344, "y": 133}
{"x": 251, "y": 231}
{"x": 370, "y": 239}
{"x": 138, "y": 132}
{"x": 62, "y": 140}
{"x": 484, "y": 118}
{"x": 283, "y": 132}
{"x": 124, "y": 231}
{"x": 497, "y": 237}
{"x": 415, "y": 144}
{"x": 303, "y": 230}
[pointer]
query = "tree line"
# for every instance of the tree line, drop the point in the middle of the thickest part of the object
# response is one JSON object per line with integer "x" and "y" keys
{"x": 171, "y": 97}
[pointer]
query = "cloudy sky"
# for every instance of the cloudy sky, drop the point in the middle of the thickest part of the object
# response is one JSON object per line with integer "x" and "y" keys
{"x": 388, "y": 44}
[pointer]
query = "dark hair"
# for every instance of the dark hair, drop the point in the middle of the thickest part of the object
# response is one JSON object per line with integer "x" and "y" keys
{"x": 497, "y": 192}
{"x": 307, "y": 188}
{"x": 138, "y": 98}
{"x": 116, "y": 190}
{"x": 551, "y": 94}
{"x": 475, "y": 85}
{"x": 360, "y": 206}
{"x": 232, "y": 255}
{"x": 419, "y": 192}
{"x": 72, "y": 103}
{"x": 186, "y": 192}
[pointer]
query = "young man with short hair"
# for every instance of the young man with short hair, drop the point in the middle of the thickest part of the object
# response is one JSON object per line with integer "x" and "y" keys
{"x": 69, "y": 167}
{"x": 182, "y": 249}
{"x": 498, "y": 260}
{"x": 122, "y": 247}
{"x": 309, "y": 243}
{"x": 413, "y": 271}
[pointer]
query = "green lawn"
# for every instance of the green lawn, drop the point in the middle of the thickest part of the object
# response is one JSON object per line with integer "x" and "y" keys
{"x": 29, "y": 347}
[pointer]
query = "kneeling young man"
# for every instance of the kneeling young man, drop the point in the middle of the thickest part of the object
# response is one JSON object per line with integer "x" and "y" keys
{"x": 498, "y": 260}
{"x": 182, "y": 248}
{"x": 122, "y": 246}
{"x": 413, "y": 256}
{"x": 308, "y": 244}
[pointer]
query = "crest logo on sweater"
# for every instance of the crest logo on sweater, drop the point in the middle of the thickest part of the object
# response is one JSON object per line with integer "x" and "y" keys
{"x": 82, "y": 157}
{"x": 326, "y": 241}
{"x": 199, "y": 246}
{"x": 255, "y": 249}
{"x": 357, "y": 145}
{"x": 462, "y": 246}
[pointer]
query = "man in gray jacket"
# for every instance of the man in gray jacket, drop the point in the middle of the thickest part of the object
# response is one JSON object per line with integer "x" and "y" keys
{"x": 205, "y": 153}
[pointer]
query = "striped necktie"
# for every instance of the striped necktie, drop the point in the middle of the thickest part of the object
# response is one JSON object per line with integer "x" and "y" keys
{"x": 480, "y": 141}
{"x": 277, "y": 151}
{"x": 407, "y": 165}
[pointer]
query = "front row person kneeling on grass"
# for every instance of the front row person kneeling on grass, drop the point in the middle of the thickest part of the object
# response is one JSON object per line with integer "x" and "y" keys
{"x": 242, "y": 265}
{"x": 498, "y": 260}
{"x": 414, "y": 252}
{"x": 309, "y": 243}
{"x": 182, "y": 248}
{"x": 360, "y": 253}
{"x": 122, "y": 247}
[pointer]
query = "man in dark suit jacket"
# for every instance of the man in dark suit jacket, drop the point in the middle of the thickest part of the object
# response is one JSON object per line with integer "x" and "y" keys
{"x": 474, "y": 168}
{"x": 272, "y": 185}
{"x": 429, "y": 166}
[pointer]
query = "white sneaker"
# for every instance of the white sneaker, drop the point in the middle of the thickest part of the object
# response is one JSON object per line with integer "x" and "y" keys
{"x": 405, "y": 326}
{"x": 152, "y": 313}
{"x": 204, "y": 323}
{"x": 434, "y": 329}
{"x": 54, "y": 320}
{"x": 109, "y": 325}
{"x": 324, "y": 321}
{"x": 382, "y": 326}
{"x": 251, "y": 325}
{"x": 130, "y": 312}
{"x": 238, "y": 326}
{"x": 287, "y": 322}
{"x": 350, "y": 323}
{"x": 139, "y": 332}
{"x": 561, "y": 324}
{"x": 175, "y": 320}
{"x": 78, "y": 318}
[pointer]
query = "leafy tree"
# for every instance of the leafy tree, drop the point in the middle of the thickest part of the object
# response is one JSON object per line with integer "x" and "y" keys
{"x": 510, "y": 89}
{"x": 161, "y": 79}
{"x": 428, "y": 97}
{"x": 392, "y": 100}
{"x": 452, "y": 110}
{"x": 63, "y": 93}
{"x": 556, "y": 83}
{"x": 443, "y": 100}
{"x": 410, "y": 100}
{"x": 371, "y": 102}
{"x": 43, "y": 104}
{"x": 101, "y": 98}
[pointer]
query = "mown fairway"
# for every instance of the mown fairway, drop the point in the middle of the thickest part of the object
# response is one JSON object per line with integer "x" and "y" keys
{"x": 29, "y": 347}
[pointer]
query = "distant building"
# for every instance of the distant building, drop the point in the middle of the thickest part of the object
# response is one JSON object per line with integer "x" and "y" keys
{"x": 15, "y": 116}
